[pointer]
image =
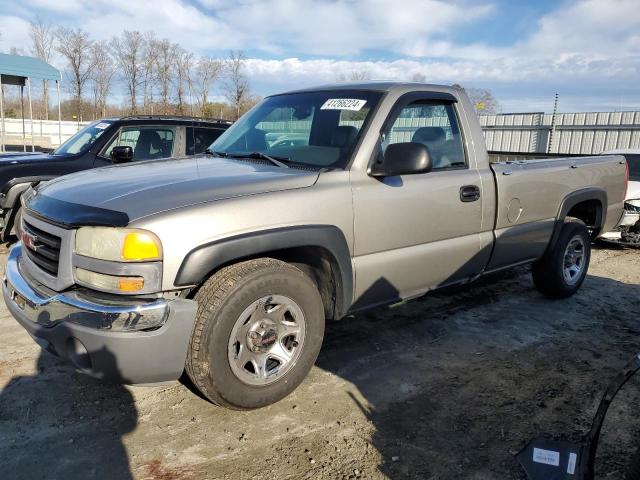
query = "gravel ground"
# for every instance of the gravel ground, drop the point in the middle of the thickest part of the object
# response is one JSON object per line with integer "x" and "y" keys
{"x": 450, "y": 386}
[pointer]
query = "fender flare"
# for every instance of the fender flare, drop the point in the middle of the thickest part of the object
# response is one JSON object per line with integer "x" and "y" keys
{"x": 16, "y": 186}
{"x": 201, "y": 261}
{"x": 11, "y": 200}
{"x": 573, "y": 199}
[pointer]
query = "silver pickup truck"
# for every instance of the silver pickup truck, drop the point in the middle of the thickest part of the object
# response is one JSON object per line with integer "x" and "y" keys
{"x": 315, "y": 204}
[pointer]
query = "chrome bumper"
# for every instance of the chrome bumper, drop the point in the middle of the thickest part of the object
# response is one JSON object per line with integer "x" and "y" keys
{"x": 46, "y": 307}
{"x": 79, "y": 329}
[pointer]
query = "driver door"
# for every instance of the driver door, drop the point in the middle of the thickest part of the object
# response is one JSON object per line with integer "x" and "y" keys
{"x": 416, "y": 232}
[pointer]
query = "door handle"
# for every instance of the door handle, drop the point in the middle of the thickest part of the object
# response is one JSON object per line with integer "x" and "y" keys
{"x": 469, "y": 193}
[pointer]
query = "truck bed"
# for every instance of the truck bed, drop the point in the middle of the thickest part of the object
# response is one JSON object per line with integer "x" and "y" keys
{"x": 530, "y": 194}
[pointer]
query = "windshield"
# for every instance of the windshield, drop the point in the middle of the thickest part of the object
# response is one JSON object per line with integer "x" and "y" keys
{"x": 82, "y": 141}
{"x": 318, "y": 129}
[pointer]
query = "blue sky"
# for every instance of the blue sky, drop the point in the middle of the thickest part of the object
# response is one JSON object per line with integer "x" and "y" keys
{"x": 524, "y": 51}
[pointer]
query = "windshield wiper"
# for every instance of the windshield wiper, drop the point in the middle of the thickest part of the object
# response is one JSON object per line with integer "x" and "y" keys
{"x": 208, "y": 151}
{"x": 263, "y": 156}
{"x": 257, "y": 155}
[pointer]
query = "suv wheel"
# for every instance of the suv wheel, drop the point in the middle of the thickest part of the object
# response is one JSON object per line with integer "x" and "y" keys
{"x": 560, "y": 273}
{"x": 258, "y": 332}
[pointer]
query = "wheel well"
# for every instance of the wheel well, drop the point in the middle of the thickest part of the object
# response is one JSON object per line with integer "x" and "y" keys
{"x": 590, "y": 212}
{"x": 317, "y": 262}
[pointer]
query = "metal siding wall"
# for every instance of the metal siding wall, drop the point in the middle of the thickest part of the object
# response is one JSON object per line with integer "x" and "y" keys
{"x": 574, "y": 133}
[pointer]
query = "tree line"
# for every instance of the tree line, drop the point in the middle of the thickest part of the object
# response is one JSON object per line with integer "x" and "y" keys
{"x": 157, "y": 76}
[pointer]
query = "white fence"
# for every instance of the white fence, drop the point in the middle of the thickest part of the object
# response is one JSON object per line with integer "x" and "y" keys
{"x": 45, "y": 132}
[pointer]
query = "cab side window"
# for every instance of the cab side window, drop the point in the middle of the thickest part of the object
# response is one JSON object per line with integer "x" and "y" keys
{"x": 199, "y": 139}
{"x": 146, "y": 142}
{"x": 435, "y": 125}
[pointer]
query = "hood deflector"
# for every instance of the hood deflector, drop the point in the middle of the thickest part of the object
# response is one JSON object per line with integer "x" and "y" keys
{"x": 70, "y": 215}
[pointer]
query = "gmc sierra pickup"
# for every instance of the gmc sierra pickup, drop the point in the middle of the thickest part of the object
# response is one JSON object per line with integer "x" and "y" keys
{"x": 227, "y": 264}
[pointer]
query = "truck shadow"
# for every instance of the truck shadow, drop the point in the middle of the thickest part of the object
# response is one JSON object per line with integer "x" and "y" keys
{"x": 62, "y": 424}
{"x": 455, "y": 391}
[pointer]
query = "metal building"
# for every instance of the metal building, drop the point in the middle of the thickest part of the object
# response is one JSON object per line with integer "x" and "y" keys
{"x": 567, "y": 133}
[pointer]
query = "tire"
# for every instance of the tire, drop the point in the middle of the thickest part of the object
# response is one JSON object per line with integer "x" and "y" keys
{"x": 13, "y": 225}
{"x": 552, "y": 274}
{"x": 633, "y": 469}
{"x": 241, "y": 309}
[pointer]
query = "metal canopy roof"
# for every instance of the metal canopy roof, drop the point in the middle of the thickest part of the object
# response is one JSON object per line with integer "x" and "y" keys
{"x": 20, "y": 67}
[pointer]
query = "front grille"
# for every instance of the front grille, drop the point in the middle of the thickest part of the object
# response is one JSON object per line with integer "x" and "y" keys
{"x": 41, "y": 247}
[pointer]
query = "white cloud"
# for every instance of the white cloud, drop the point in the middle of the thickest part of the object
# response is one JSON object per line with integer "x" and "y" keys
{"x": 497, "y": 71}
{"x": 588, "y": 27}
{"x": 307, "y": 27}
{"x": 14, "y": 32}
{"x": 343, "y": 28}
{"x": 591, "y": 43}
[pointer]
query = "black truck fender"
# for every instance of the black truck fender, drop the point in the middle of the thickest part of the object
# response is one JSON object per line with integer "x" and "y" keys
{"x": 575, "y": 198}
{"x": 200, "y": 262}
{"x": 10, "y": 200}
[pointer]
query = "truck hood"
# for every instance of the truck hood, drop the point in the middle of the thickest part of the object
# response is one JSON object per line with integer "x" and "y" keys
{"x": 21, "y": 157}
{"x": 146, "y": 188}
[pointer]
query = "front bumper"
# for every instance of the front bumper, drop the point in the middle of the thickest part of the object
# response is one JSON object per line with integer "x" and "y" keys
{"x": 52, "y": 319}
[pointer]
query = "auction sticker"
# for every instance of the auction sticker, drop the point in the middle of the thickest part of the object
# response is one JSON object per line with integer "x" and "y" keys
{"x": 354, "y": 104}
{"x": 548, "y": 457}
{"x": 102, "y": 125}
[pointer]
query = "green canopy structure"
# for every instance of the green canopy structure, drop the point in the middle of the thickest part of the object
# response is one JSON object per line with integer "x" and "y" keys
{"x": 20, "y": 70}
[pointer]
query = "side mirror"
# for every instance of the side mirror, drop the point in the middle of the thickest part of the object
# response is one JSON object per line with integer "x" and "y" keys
{"x": 402, "y": 159}
{"x": 121, "y": 154}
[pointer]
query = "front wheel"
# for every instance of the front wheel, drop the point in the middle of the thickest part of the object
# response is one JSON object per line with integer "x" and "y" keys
{"x": 258, "y": 332}
{"x": 560, "y": 273}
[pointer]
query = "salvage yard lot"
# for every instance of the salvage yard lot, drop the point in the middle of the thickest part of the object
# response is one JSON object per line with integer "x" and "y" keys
{"x": 450, "y": 386}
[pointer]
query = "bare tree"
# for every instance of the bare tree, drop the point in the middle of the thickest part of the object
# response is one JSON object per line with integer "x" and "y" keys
{"x": 75, "y": 46}
{"x": 149, "y": 65}
{"x": 208, "y": 71}
{"x": 42, "y": 39}
{"x": 483, "y": 100}
{"x": 128, "y": 50}
{"x": 236, "y": 86}
{"x": 164, "y": 71}
{"x": 354, "y": 76}
{"x": 183, "y": 67}
{"x": 102, "y": 77}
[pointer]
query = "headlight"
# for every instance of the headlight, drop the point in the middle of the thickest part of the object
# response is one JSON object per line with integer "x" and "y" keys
{"x": 118, "y": 244}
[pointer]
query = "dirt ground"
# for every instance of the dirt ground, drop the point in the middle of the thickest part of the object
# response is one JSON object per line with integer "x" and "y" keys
{"x": 450, "y": 386}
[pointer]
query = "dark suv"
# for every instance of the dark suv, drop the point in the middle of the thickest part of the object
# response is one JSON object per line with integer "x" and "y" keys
{"x": 103, "y": 142}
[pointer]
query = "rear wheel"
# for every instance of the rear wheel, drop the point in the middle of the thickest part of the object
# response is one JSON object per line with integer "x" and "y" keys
{"x": 258, "y": 332}
{"x": 560, "y": 273}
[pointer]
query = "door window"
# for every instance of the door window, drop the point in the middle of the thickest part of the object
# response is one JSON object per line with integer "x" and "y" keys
{"x": 146, "y": 142}
{"x": 433, "y": 124}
